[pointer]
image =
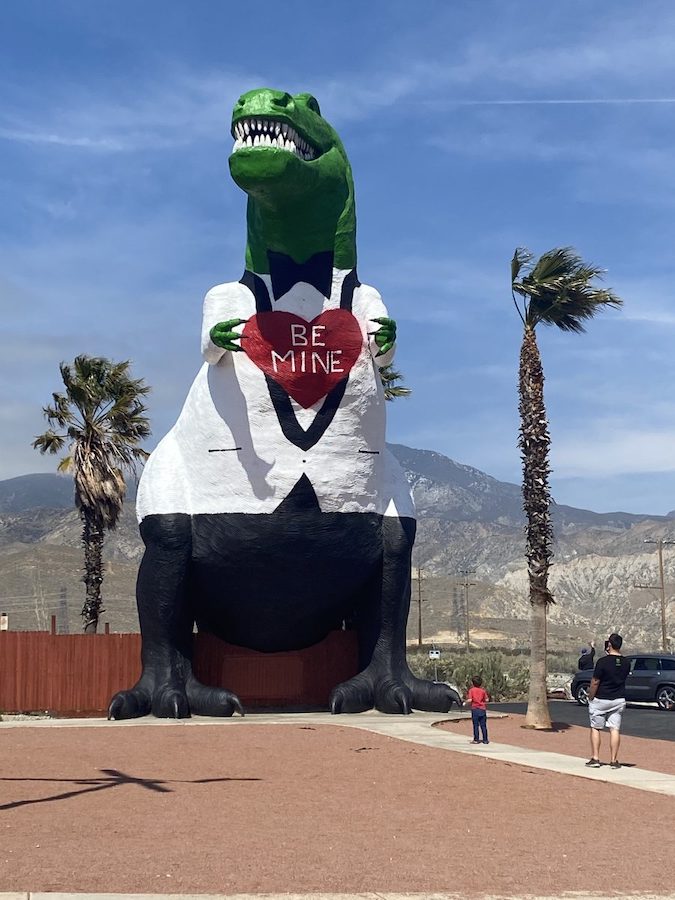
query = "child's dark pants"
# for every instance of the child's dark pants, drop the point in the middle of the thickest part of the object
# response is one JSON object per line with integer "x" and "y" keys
{"x": 479, "y": 720}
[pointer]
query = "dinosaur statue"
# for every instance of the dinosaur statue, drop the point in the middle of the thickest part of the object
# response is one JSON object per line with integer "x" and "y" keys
{"x": 272, "y": 512}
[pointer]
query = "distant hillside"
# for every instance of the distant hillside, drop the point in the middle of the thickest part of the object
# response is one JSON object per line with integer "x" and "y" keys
{"x": 33, "y": 491}
{"x": 42, "y": 491}
{"x": 443, "y": 489}
{"x": 449, "y": 490}
{"x": 466, "y": 520}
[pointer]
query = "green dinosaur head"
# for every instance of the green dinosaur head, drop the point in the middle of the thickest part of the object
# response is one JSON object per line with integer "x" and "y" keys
{"x": 293, "y": 167}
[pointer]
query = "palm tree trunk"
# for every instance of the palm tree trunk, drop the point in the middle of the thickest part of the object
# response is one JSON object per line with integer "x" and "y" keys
{"x": 538, "y": 714}
{"x": 92, "y": 541}
{"x": 534, "y": 442}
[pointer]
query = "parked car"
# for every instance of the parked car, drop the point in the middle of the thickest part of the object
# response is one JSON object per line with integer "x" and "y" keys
{"x": 651, "y": 679}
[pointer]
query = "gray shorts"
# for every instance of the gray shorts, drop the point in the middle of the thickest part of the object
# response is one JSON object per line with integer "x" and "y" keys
{"x": 606, "y": 712}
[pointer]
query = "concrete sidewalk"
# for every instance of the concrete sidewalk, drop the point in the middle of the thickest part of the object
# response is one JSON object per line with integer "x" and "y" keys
{"x": 416, "y": 728}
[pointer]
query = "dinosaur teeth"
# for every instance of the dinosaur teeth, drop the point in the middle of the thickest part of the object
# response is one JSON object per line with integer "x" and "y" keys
{"x": 271, "y": 133}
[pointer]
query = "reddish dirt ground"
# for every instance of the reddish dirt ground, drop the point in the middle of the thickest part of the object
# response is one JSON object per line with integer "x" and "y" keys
{"x": 244, "y": 808}
{"x": 658, "y": 756}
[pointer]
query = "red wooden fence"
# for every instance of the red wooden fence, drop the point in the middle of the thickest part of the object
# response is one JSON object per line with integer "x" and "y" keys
{"x": 77, "y": 674}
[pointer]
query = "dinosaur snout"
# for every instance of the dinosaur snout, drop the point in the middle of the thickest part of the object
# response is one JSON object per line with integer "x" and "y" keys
{"x": 265, "y": 100}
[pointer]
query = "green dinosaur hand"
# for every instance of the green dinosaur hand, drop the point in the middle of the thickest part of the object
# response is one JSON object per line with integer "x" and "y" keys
{"x": 224, "y": 336}
{"x": 385, "y": 334}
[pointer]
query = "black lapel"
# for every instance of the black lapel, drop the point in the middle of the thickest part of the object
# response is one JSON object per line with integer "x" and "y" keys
{"x": 291, "y": 428}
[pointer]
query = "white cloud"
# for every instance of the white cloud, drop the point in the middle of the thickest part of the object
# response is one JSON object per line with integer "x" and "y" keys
{"x": 173, "y": 106}
{"x": 438, "y": 291}
{"x": 38, "y": 137}
{"x": 630, "y": 55}
{"x": 170, "y": 109}
{"x": 606, "y": 451}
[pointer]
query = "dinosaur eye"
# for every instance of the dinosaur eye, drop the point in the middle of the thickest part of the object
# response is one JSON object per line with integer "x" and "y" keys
{"x": 310, "y": 102}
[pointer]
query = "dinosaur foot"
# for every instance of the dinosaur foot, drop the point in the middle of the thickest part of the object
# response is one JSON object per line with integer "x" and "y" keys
{"x": 391, "y": 694}
{"x": 212, "y": 701}
{"x": 172, "y": 700}
{"x": 130, "y": 704}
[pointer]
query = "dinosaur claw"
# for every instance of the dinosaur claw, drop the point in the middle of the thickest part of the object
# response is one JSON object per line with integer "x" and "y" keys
{"x": 401, "y": 697}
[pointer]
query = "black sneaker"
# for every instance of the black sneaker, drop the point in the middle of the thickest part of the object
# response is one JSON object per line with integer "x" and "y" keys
{"x": 615, "y": 765}
{"x": 593, "y": 763}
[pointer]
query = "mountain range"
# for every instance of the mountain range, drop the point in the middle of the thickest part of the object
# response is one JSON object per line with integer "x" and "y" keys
{"x": 468, "y": 522}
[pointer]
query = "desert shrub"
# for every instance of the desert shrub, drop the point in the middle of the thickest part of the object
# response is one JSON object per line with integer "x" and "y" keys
{"x": 490, "y": 667}
{"x": 566, "y": 662}
{"x": 503, "y": 678}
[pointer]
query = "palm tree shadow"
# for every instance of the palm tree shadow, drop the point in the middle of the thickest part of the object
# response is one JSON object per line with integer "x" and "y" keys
{"x": 113, "y": 778}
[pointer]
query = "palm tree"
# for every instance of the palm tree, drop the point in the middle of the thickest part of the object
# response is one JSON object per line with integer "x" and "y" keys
{"x": 389, "y": 376}
{"x": 558, "y": 290}
{"x": 100, "y": 418}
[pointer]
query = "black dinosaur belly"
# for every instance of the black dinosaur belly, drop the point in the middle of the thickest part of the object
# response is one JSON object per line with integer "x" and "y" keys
{"x": 270, "y": 584}
{"x": 282, "y": 580}
{"x": 275, "y": 581}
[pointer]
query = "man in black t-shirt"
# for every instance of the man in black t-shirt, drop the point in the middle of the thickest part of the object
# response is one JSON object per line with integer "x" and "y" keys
{"x": 607, "y": 700}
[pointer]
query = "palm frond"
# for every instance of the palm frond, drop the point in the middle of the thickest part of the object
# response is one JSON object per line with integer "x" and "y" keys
{"x": 59, "y": 413}
{"x": 522, "y": 257}
{"x": 559, "y": 290}
{"x": 49, "y": 442}
{"x": 65, "y": 465}
{"x": 389, "y": 376}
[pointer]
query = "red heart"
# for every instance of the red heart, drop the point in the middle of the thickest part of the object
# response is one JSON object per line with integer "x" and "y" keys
{"x": 306, "y": 358}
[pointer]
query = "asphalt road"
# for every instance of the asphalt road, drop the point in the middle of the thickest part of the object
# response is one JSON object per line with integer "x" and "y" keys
{"x": 639, "y": 720}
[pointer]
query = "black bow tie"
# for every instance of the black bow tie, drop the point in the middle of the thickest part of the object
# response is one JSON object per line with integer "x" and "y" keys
{"x": 285, "y": 272}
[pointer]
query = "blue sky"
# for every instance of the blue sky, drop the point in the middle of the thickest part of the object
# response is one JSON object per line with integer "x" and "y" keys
{"x": 472, "y": 128}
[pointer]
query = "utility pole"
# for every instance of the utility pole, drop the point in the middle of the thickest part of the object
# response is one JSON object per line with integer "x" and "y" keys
{"x": 661, "y": 588}
{"x": 417, "y": 573}
{"x": 63, "y": 610}
{"x": 466, "y": 584}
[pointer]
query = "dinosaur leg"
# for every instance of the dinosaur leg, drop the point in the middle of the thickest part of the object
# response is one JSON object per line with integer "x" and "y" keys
{"x": 167, "y": 687}
{"x": 386, "y": 681}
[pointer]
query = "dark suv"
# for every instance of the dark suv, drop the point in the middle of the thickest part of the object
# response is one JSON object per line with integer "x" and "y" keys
{"x": 652, "y": 678}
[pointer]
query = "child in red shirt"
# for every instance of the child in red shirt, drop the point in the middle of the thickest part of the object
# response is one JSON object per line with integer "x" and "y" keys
{"x": 478, "y": 697}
